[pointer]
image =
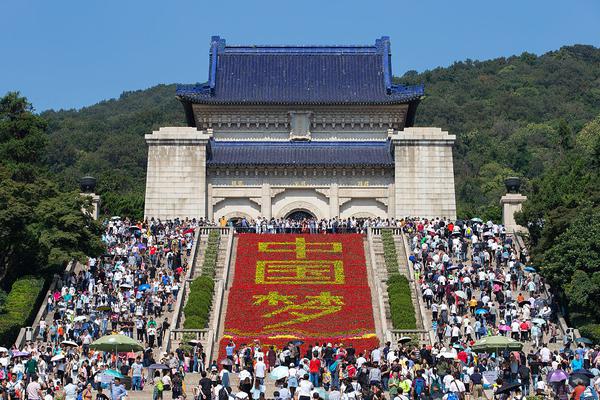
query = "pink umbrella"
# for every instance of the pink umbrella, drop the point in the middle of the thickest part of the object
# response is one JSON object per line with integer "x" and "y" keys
{"x": 504, "y": 328}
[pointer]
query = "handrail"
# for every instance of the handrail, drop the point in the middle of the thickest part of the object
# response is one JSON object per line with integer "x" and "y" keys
{"x": 43, "y": 310}
{"x": 176, "y": 317}
{"x": 562, "y": 323}
{"x": 382, "y": 316}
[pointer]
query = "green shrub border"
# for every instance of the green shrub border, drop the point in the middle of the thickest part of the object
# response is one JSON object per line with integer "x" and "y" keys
{"x": 21, "y": 304}
{"x": 402, "y": 308}
{"x": 389, "y": 251}
{"x": 401, "y": 305}
{"x": 197, "y": 307}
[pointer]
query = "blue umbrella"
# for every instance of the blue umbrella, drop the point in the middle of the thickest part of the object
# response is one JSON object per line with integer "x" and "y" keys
{"x": 145, "y": 286}
{"x": 480, "y": 311}
{"x": 530, "y": 269}
{"x": 113, "y": 373}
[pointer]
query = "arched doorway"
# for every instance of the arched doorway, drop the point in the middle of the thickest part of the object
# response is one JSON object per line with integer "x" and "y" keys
{"x": 299, "y": 215}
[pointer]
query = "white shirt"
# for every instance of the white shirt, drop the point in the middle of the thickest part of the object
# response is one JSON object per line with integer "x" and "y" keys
{"x": 304, "y": 388}
{"x": 260, "y": 369}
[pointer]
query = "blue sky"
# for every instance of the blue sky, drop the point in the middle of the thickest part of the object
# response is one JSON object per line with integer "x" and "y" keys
{"x": 74, "y": 53}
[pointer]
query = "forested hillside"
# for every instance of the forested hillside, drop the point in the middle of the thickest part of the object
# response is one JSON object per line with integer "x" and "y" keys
{"x": 537, "y": 117}
{"x": 511, "y": 117}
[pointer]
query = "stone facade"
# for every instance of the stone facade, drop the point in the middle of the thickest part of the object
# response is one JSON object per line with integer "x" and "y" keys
{"x": 424, "y": 173}
{"x": 179, "y": 184}
{"x": 176, "y": 174}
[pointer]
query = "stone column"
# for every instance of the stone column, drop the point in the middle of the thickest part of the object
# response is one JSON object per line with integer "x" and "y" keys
{"x": 176, "y": 174}
{"x": 391, "y": 211}
{"x": 334, "y": 200}
{"x": 511, "y": 204}
{"x": 265, "y": 204}
{"x": 209, "y": 202}
{"x": 95, "y": 204}
{"x": 424, "y": 173}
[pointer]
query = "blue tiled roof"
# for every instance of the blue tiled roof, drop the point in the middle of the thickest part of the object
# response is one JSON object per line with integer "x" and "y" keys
{"x": 223, "y": 153}
{"x": 299, "y": 75}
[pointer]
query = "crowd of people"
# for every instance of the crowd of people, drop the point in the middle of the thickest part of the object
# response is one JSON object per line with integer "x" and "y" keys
{"x": 304, "y": 223}
{"x": 129, "y": 290}
{"x": 473, "y": 282}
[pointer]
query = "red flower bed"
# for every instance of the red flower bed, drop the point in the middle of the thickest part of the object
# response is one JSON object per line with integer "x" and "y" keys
{"x": 300, "y": 287}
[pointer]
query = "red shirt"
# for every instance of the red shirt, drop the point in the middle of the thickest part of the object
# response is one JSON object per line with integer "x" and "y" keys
{"x": 314, "y": 365}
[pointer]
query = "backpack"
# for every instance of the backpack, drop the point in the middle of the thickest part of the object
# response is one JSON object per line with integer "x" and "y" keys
{"x": 452, "y": 396}
{"x": 589, "y": 394}
{"x": 419, "y": 386}
{"x": 159, "y": 386}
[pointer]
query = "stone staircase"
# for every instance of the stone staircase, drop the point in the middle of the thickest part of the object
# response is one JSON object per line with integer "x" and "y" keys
{"x": 206, "y": 336}
{"x": 404, "y": 269}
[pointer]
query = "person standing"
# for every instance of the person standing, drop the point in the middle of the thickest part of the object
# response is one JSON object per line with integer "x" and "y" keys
{"x": 314, "y": 368}
{"x": 137, "y": 369}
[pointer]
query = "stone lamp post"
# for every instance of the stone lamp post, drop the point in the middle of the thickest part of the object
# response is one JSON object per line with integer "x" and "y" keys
{"x": 512, "y": 202}
{"x": 87, "y": 185}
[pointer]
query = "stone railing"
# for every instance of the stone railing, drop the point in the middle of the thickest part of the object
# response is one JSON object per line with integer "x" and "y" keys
{"x": 420, "y": 334}
{"x": 425, "y": 322}
{"x": 220, "y": 292}
{"x": 385, "y": 333}
{"x": 30, "y": 333}
{"x": 205, "y": 230}
{"x": 198, "y": 334}
{"x": 519, "y": 244}
{"x": 376, "y": 231}
{"x": 178, "y": 311}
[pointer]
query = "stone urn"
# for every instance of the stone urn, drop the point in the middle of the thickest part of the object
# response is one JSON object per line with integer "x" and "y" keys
{"x": 87, "y": 184}
{"x": 513, "y": 184}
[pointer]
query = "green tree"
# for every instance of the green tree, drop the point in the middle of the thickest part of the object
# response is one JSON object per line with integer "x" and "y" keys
{"x": 41, "y": 227}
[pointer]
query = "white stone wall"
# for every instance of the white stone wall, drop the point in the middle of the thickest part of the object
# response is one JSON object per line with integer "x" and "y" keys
{"x": 179, "y": 185}
{"x": 424, "y": 173}
{"x": 176, "y": 174}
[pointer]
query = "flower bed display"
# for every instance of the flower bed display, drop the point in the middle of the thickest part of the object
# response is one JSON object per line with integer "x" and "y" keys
{"x": 290, "y": 287}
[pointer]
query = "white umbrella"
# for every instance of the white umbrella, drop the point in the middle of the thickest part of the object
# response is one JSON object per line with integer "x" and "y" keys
{"x": 69, "y": 343}
{"x": 405, "y": 339}
{"x": 81, "y": 318}
{"x": 57, "y": 357}
{"x": 279, "y": 373}
{"x": 461, "y": 294}
{"x": 447, "y": 354}
{"x": 126, "y": 286}
{"x": 3, "y": 350}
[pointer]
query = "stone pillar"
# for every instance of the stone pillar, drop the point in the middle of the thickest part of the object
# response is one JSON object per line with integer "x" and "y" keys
{"x": 424, "y": 173}
{"x": 511, "y": 204}
{"x": 265, "y": 203}
{"x": 95, "y": 204}
{"x": 209, "y": 202}
{"x": 334, "y": 200}
{"x": 176, "y": 174}
{"x": 391, "y": 211}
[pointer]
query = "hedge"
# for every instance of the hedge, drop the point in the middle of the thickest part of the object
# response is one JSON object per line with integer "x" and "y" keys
{"x": 21, "y": 304}
{"x": 401, "y": 305}
{"x": 389, "y": 251}
{"x": 197, "y": 308}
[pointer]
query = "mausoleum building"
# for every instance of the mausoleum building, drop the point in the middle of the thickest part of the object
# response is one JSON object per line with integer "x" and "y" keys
{"x": 281, "y": 131}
